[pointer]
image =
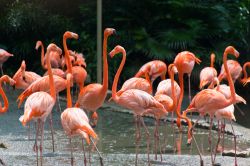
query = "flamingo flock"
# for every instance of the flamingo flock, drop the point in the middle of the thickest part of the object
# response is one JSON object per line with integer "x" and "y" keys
{"x": 64, "y": 68}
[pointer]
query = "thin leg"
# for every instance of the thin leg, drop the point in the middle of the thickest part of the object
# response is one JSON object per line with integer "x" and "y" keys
{"x": 41, "y": 143}
{"x": 223, "y": 126}
{"x": 35, "y": 147}
{"x": 155, "y": 139}
{"x": 148, "y": 138}
{"x": 210, "y": 139}
{"x": 52, "y": 131}
{"x": 165, "y": 136}
{"x": 235, "y": 157}
{"x": 218, "y": 141}
{"x": 100, "y": 156}
{"x": 85, "y": 160}
{"x": 189, "y": 88}
{"x": 158, "y": 137}
{"x": 137, "y": 137}
{"x": 89, "y": 155}
{"x": 71, "y": 152}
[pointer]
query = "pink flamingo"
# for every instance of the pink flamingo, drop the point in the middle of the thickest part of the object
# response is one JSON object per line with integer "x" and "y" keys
{"x": 234, "y": 68}
{"x": 5, "y": 79}
{"x": 137, "y": 100}
{"x": 4, "y": 55}
{"x": 208, "y": 101}
{"x": 154, "y": 68}
{"x": 79, "y": 73}
{"x": 40, "y": 104}
{"x": 136, "y": 83}
{"x": 184, "y": 62}
{"x": 245, "y": 79}
{"x": 24, "y": 78}
{"x": 75, "y": 122}
{"x": 56, "y": 61}
{"x": 92, "y": 96}
{"x": 208, "y": 74}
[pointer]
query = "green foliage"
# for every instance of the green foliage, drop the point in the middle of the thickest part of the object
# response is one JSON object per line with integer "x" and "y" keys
{"x": 149, "y": 29}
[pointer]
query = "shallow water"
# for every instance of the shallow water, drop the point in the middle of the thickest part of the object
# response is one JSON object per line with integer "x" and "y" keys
{"x": 116, "y": 133}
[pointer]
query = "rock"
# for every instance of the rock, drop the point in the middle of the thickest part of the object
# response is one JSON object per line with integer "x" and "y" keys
{"x": 3, "y": 146}
{"x": 244, "y": 153}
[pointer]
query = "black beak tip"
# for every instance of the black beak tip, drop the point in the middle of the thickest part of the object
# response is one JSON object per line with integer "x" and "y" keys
{"x": 114, "y": 32}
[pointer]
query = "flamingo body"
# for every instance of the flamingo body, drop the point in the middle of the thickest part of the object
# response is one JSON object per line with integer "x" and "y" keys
{"x": 164, "y": 87}
{"x": 234, "y": 68}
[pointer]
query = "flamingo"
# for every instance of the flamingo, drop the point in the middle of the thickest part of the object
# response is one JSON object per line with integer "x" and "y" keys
{"x": 6, "y": 79}
{"x": 80, "y": 60}
{"x": 184, "y": 62}
{"x": 75, "y": 122}
{"x": 56, "y": 61}
{"x": 71, "y": 57}
{"x": 24, "y": 78}
{"x": 208, "y": 74}
{"x": 136, "y": 83}
{"x": 4, "y": 55}
{"x": 92, "y": 96}
{"x": 169, "y": 103}
{"x": 155, "y": 69}
{"x": 234, "y": 68}
{"x": 137, "y": 100}
{"x": 208, "y": 101}
{"x": 245, "y": 80}
{"x": 40, "y": 104}
{"x": 79, "y": 73}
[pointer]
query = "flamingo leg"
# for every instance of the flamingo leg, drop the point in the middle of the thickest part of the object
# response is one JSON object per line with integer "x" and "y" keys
{"x": 235, "y": 157}
{"x": 218, "y": 141}
{"x": 189, "y": 89}
{"x": 89, "y": 155}
{"x": 158, "y": 138}
{"x": 155, "y": 139}
{"x": 100, "y": 156}
{"x": 148, "y": 138}
{"x": 71, "y": 152}
{"x": 210, "y": 139}
{"x": 137, "y": 137}
{"x": 52, "y": 131}
{"x": 85, "y": 160}
{"x": 35, "y": 147}
{"x": 223, "y": 126}
{"x": 41, "y": 143}
{"x": 165, "y": 136}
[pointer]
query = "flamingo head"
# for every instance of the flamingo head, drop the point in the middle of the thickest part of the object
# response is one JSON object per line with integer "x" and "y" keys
{"x": 69, "y": 34}
{"x": 116, "y": 50}
{"x": 232, "y": 50}
{"x": 38, "y": 44}
{"x": 53, "y": 47}
{"x": 109, "y": 31}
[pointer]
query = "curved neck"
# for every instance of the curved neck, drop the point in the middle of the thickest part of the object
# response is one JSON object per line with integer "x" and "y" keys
{"x": 212, "y": 60}
{"x": 229, "y": 78}
{"x": 69, "y": 99}
{"x": 42, "y": 57}
{"x": 117, "y": 75}
{"x": 245, "y": 70}
{"x": 5, "y": 100}
{"x": 173, "y": 90}
{"x": 105, "y": 63}
{"x": 51, "y": 79}
{"x": 149, "y": 81}
{"x": 66, "y": 52}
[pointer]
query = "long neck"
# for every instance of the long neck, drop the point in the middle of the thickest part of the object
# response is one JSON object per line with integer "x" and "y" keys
{"x": 117, "y": 75}
{"x": 51, "y": 79}
{"x": 178, "y": 110}
{"x": 149, "y": 81}
{"x": 212, "y": 61}
{"x": 229, "y": 78}
{"x": 245, "y": 71}
{"x": 5, "y": 100}
{"x": 105, "y": 63}
{"x": 69, "y": 99}
{"x": 173, "y": 90}
{"x": 42, "y": 56}
{"x": 66, "y": 52}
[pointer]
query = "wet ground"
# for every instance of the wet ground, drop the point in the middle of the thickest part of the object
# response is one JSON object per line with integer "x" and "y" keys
{"x": 116, "y": 141}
